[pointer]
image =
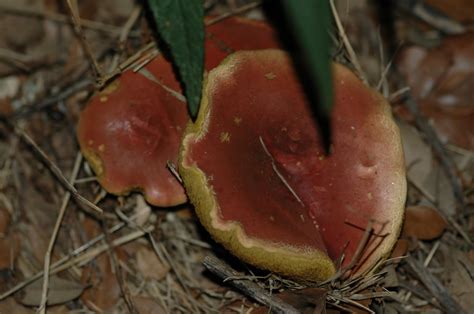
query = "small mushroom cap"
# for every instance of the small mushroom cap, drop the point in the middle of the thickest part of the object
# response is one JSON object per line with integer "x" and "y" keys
{"x": 254, "y": 168}
{"x": 128, "y": 136}
{"x": 130, "y": 130}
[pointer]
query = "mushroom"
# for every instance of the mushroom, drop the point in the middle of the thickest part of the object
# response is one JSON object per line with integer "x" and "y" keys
{"x": 254, "y": 168}
{"x": 132, "y": 128}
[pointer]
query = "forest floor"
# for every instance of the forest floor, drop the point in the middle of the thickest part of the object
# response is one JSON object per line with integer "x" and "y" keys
{"x": 143, "y": 259}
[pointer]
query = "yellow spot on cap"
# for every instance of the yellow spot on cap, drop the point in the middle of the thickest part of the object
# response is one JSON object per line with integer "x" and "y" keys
{"x": 101, "y": 148}
{"x": 103, "y": 98}
{"x": 225, "y": 137}
{"x": 270, "y": 76}
{"x": 237, "y": 120}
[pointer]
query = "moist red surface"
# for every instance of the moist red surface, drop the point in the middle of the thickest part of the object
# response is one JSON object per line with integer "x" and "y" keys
{"x": 235, "y": 34}
{"x": 222, "y": 38}
{"x": 135, "y": 135}
{"x": 261, "y": 97}
{"x": 140, "y": 124}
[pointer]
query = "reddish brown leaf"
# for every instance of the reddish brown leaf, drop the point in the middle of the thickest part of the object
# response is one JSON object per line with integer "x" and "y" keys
{"x": 401, "y": 248}
{"x": 423, "y": 223}
{"x": 441, "y": 80}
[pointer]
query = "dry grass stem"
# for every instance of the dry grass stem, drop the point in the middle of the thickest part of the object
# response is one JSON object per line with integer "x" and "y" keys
{"x": 280, "y": 176}
{"x": 76, "y": 20}
{"x": 240, "y": 10}
{"x": 57, "y": 226}
{"x": 342, "y": 33}
{"x": 56, "y": 171}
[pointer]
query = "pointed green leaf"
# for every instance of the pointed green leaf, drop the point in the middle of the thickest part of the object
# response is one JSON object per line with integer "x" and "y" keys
{"x": 310, "y": 20}
{"x": 180, "y": 23}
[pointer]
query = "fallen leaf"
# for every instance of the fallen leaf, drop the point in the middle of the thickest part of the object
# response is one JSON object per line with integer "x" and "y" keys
{"x": 441, "y": 80}
{"x": 5, "y": 218}
{"x": 424, "y": 172}
{"x": 9, "y": 305}
{"x": 150, "y": 265}
{"x": 9, "y": 249}
{"x": 60, "y": 291}
{"x": 309, "y": 300}
{"x": 104, "y": 292}
{"x": 423, "y": 223}
{"x": 457, "y": 275}
{"x": 461, "y": 10}
{"x": 401, "y": 249}
{"x": 146, "y": 305}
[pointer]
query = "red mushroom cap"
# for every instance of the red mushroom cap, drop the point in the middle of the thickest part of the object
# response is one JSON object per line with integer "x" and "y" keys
{"x": 130, "y": 130}
{"x": 254, "y": 168}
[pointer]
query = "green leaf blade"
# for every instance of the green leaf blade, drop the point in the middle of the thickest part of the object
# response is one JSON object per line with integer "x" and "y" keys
{"x": 310, "y": 20}
{"x": 181, "y": 25}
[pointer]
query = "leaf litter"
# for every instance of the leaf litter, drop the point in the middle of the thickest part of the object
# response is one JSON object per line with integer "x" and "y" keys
{"x": 159, "y": 252}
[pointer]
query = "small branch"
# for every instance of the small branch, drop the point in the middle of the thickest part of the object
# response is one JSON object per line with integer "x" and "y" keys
{"x": 247, "y": 287}
{"x": 280, "y": 176}
{"x": 118, "y": 271}
{"x": 435, "y": 287}
{"x": 60, "y": 18}
{"x": 237, "y": 11}
{"x": 56, "y": 171}
{"x": 352, "y": 55}
{"x": 74, "y": 259}
{"x": 432, "y": 16}
{"x": 52, "y": 241}
{"x": 27, "y": 108}
{"x": 446, "y": 162}
{"x": 72, "y": 6}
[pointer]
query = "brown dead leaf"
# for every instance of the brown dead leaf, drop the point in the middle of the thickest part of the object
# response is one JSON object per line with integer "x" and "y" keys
{"x": 4, "y": 221}
{"x": 9, "y": 305}
{"x": 400, "y": 249}
{"x": 9, "y": 249}
{"x": 461, "y": 10}
{"x": 104, "y": 292}
{"x": 441, "y": 79}
{"x": 457, "y": 275}
{"x": 150, "y": 265}
{"x": 424, "y": 172}
{"x": 146, "y": 305}
{"x": 60, "y": 291}
{"x": 309, "y": 300}
{"x": 423, "y": 223}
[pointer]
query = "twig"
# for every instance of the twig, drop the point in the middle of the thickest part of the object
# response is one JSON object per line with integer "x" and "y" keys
{"x": 347, "y": 44}
{"x": 56, "y": 171}
{"x": 124, "y": 33}
{"x": 249, "y": 288}
{"x": 239, "y": 10}
{"x": 431, "y": 254}
{"x": 420, "y": 292}
{"x": 446, "y": 162}
{"x": 355, "y": 258}
{"x": 280, "y": 176}
{"x": 55, "y": 98}
{"x": 68, "y": 262}
{"x": 432, "y": 16}
{"x": 172, "y": 168}
{"x": 18, "y": 60}
{"x": 52, "y": 241}
{"x": 127, "y": 28}
{"x": 61, "y": 18}
{"x": 118, "y": 271}
{"x": 435, "y": 287}
{"x": 73, "y": 10}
